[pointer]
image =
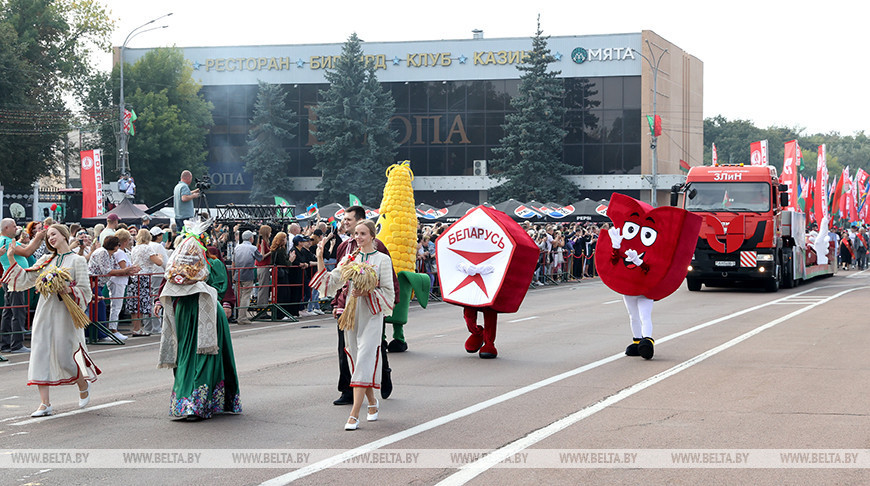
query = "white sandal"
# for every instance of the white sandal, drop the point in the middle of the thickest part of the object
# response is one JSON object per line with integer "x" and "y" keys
{"x": 352, "y": 426}
{"x": 43, "y": 411}
{"x": 371, "y": 417}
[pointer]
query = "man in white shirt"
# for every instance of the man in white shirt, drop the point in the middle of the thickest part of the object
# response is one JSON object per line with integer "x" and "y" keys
{"x": 111, "y": 226}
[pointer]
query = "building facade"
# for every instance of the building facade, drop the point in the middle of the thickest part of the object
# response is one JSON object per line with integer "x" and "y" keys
{"x": 451, "y": 100}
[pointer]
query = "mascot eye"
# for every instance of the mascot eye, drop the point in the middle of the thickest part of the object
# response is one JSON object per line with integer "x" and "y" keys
{"x": 648, "y": 236}
{"x": 630, "y": 230}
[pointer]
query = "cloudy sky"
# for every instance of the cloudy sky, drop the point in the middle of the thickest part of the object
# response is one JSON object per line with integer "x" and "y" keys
{"x": 794, "y": 63}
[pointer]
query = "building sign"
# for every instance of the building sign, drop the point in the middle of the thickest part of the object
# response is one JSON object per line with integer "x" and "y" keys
{"x": 580, "y": 55}
{"x": 465, "y": 59}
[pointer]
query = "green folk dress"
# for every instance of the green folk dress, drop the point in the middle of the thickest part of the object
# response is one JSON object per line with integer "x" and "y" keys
{"x": 205, "y": 384}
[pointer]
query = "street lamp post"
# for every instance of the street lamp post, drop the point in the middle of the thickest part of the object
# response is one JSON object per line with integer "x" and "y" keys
{"x": 123, "y": 164}
{"x": 653, "y": 138}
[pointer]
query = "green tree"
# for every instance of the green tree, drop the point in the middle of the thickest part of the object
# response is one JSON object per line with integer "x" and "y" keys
{"x": 271, "y": 130}
{"x": 173, "y": 121}
{"x": 45, "y": 54}
{"x": 353, "y": 128}
{"x": 529, "y": 161}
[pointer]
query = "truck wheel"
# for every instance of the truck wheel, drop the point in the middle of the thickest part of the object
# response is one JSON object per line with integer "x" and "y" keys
{"x": 788, "y": 280}
{"x": 694, "y": 285}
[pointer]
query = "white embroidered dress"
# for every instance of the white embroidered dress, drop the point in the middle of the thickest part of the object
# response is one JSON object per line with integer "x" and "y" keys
{"x": 58, "y": 353}
{"x": 363, "y": 343}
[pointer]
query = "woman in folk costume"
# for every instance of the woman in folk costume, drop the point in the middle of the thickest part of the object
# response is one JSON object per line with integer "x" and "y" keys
{"x": 58, "y": 355}
{"x": 196, "y": 335}
{"x": 371, "y": 286}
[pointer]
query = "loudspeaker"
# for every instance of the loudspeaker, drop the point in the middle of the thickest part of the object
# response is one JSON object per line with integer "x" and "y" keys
{"x": 480, "y": 167}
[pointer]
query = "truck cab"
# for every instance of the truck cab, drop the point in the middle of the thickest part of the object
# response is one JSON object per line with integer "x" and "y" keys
{"x": 741, "y": 239}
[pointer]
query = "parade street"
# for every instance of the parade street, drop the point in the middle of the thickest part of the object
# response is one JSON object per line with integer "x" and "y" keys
{"x": 737, "y": 374}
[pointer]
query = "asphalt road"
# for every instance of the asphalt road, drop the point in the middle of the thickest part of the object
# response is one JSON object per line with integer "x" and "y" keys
{"x": 736, "y": 372}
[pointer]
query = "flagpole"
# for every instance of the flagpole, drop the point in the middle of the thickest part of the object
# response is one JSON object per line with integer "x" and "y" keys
{"x": 123, "y": 154}
{"x": 654, "y": 182}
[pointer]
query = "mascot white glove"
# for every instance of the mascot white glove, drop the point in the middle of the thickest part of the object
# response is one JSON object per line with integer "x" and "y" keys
{"x": 615, "y": 238}
{"x": 633, "y": 257}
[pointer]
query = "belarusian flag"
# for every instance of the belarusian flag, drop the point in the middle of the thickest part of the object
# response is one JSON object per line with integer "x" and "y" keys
{"x": 715, "y": 156}
{"x": 684, "y": 166}
{"x": 129, "y": 118}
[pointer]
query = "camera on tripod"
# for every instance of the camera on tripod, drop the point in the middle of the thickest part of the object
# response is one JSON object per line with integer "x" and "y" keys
{"x": 203, "y": 183}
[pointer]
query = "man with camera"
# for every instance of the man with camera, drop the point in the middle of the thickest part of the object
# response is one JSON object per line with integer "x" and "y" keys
{"x": 183, "y": 198}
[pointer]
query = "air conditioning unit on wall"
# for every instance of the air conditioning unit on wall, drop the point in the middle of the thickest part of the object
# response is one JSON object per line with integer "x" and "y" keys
{"x": 479, "y": 168}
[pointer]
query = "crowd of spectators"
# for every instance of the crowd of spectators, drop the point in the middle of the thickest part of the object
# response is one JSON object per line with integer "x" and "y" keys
{"x": 127, "y": 262}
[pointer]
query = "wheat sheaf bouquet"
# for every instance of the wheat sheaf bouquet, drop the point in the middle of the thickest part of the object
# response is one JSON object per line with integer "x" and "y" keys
{"x": 50, "y": 282}
{"x": 365, "y": 279}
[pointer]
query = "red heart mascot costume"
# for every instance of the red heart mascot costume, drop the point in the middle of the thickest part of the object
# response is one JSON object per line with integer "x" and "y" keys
{"x": 486, "y": 262}
{"x": 645, "y": 256}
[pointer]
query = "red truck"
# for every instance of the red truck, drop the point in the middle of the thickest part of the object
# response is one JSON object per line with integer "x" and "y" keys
{"x": 747, "y": 237}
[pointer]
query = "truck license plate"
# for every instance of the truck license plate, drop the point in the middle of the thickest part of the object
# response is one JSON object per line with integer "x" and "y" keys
{"x": 725, "y": 264}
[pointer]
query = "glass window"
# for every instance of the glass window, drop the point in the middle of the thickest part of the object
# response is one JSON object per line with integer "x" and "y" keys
{"x": 475, "y": 127}
{"x": 237, "y": 102}
{"x": 477, "y": 95}
{"x": 613, "y": 159}
{"x": 237, "y": 139}
{"x": 612, "y": 96}
{"x": 573, "y": 126}
{"x": 512, "y": 87}
{"x": 307, "y": 163}
{"x": 586, "y": 93}
{"x": 419, "y": 97}
{"x": 308, "y": 93}
{"x": 614, "y": 135}
{"x": 437, "y": 161}
{"x": 400, "y": 94}
{"x": 631, "y": 92}
{"x": 494, "y": 131}
{"x": 573, "y": 156}
{"x": 610, "y": 121}
{"x": 420, "y": 160}
{"x": 437, "y": 92}
{"x": 218, "y": 97}
{"x": 631, "y": 159}
{"x": 592, "y": 126}
{"x": 593, "y": 158}
{"x": 457, "y": 162}
{"x": 456, "y": 95}
{"x": 631, "y": 126}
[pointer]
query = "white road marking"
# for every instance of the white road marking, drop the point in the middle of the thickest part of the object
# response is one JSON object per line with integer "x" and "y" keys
{"x": 8, "y": 398}
{"x": 74, "y": 412}
{"x": 524, "y": 319}
{"x": 472, "y": 470}
{"x": 12, "y": 418}
{"x": 391, "y": 439}
{"x": 612, "y": 302}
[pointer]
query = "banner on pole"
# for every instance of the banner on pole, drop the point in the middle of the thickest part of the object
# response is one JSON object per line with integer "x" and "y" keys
{"x": 92, "y": 183}
{"x": 821, "y": 197}
{"x": 758, "y": 153}
{"x": 790, "y": 174}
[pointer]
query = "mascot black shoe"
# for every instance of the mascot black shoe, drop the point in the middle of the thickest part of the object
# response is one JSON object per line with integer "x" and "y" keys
{"x": 646, "y": 348}
{"x": 631, "y": 350}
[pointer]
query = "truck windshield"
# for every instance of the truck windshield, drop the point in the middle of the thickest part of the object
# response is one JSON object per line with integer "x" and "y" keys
{"x": 728, "y": 196}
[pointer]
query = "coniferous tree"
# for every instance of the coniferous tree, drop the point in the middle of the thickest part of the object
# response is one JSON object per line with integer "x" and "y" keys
{"x": 353, "y": 128}
{"x": 272, "y": 128}
{"x": 529, "y": 161}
